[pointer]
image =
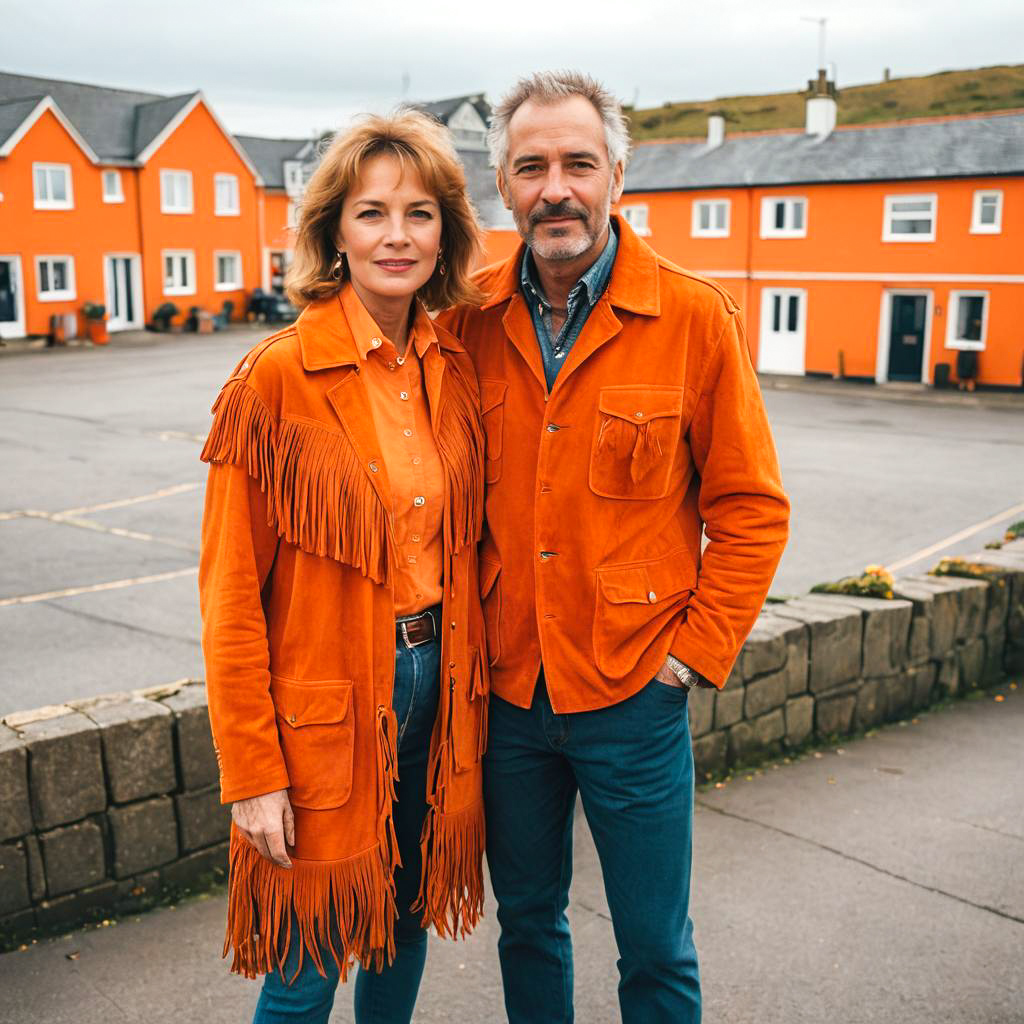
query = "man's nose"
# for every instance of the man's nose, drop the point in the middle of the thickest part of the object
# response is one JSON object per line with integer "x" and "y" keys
{"x": 556, "y": 189}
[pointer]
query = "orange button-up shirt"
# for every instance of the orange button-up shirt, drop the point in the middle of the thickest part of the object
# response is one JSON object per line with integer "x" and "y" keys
{"x": 401, "y": 415}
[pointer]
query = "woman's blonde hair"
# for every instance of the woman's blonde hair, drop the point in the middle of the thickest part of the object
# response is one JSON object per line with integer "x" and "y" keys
{"x": 415, "y": 140}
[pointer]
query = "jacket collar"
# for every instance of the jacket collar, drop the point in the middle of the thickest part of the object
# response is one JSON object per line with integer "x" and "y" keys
{"x": 633, "y": 285}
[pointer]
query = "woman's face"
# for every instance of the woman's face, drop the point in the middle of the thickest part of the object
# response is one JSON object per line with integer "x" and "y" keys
{"x": 390, "y": 229}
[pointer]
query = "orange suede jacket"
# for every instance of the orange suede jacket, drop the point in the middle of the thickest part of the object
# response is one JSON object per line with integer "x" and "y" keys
{"x": 296, "y": 592}
{"x": 598, "y": 493}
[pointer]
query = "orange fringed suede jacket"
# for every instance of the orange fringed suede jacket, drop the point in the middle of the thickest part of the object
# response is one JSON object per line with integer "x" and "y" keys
{"x": 598, "y": 494}
{"x": 299, "y": 640}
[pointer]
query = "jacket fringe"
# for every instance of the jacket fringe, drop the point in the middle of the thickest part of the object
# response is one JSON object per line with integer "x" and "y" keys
{"x": 452, "y": 884}
{"x": 356, "y": 895}
{"x": 318, "y": 496}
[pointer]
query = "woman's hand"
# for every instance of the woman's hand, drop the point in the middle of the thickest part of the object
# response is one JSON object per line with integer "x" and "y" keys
{"x": 268, "y": 823}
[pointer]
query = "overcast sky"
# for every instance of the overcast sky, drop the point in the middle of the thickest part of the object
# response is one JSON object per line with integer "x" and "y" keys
{"x": 290, "y": 67}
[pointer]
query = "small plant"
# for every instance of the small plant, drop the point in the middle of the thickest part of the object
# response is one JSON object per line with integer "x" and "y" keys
{"x": 875, "y": 581}
{"x": 1014, "y": 531}
{"x": 953, "y": 566}
{"x": 94, "y": 310}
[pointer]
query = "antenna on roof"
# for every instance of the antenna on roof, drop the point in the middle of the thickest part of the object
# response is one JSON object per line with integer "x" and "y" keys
{"x": 406, "y": 82}
{"x": 820, "y": 22}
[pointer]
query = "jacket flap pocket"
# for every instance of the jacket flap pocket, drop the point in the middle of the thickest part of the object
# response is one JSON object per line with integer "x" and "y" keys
{"x": 648, "y": 582}
{"x": 489, "y": 573}
{"x": 300, "y": 704}
{"x": 641, "y": 404}
{"x": 492, "y": 394}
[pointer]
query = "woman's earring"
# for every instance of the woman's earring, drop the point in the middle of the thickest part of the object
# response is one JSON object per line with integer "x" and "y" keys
{"x": 442, "y": 267}
{"x": 338, "y": 267}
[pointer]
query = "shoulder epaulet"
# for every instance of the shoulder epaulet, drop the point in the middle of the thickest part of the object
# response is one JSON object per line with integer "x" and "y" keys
{"x": 248, "y": 361}
{"x": 731, "y": 305}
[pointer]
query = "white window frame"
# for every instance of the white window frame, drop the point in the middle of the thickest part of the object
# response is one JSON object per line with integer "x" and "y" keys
{"x": 888, "y": 235}
{"x": 768, "y": 296}
{"x": 64, "y": 294}
{"x": 227, "y": 286}
{"x": 768, "y": 228}
{"x": 696, "y": 231}
{"x": 231, "y": 210}
{"x": 167, "y": 192}
{"x": 292, "y": 216}
{"x": 641, "y": 212}
{"x": 977, "y": 228}
{"x": 41, "y": 203}
{"x": 116, "y": 196}
{"x": 953, "y": 315}
{"x": 177, "y": 289}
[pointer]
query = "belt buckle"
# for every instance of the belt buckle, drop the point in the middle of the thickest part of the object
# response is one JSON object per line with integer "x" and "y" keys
{"x": 404, "y": 626}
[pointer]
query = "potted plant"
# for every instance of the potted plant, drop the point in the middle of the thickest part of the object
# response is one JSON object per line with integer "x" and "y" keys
{"x": 96, "y": 323}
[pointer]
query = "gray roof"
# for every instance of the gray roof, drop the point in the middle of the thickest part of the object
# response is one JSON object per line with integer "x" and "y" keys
{"x": 268, "y": 156}
{"x": 151, "y": 118}
{"x": 443, "y": 109}
{"x": 963, "y": 147}
{"x": 12, "y": 113}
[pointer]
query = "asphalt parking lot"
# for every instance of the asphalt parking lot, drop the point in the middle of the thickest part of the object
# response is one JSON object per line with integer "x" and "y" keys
{"x": 101, "y": 499}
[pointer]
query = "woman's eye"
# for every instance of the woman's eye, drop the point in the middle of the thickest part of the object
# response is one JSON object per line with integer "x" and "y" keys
{"x": 367, "y": 214}
{"x": 423, "y": 214}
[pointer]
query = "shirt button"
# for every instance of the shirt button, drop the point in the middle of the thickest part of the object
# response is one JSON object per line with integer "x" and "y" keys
{"x": 416, "y": 538}
{"x": 374, "y": 467}
{"x": 391, "y": 366}
{"x": 407, "y": 432}
{"x": 652, "y": 596}
{"x": 404, "y": 396}
{"x": 375, "y": 342}
{"x": 419, "y": 501}
{"x": 410, "y": 558}
{"x": 416, "y": 461}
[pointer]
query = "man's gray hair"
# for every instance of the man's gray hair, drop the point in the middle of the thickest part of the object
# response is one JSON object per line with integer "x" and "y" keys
{"x": 547, "y": 87}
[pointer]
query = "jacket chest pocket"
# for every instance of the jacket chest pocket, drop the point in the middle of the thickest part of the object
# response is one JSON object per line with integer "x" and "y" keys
{"x": 316, "y": 726}
{"x": 635, "y": 441}
{"x": 492, "y": 409}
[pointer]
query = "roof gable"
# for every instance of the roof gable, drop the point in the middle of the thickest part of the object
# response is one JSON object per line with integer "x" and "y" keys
{"x": 18, "y": 116}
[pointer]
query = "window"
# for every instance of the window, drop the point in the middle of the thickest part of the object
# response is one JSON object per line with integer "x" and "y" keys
{"x": 910, "y": 218}
{"x": 179, "y": 272}
{"x": 293, "y": 216}
{"x": 710, "y": 218}
{"x": 635, "y": 216}
{"x": 227, "y": 271}
{"x": 225, "y": 195}
{"x": 51, "y": 184}
{"x": 293, "y": 177}
{"x": 987, "y": 218}
{"x": 967, "y": 322}
{"x": 783, "y": 217}
{"x": 112, "y": 190}
{"x": 55, "y": 278}
{"x": 175, "y": 191}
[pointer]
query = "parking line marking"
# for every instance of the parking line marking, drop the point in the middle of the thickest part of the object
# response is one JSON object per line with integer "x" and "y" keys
{"x": 165, "y": 492}
{"x": 956, "y": 538}
{"x": 97, "y": 587}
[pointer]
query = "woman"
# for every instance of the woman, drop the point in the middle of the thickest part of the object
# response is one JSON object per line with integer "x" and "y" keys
{"x": 338, "y": 575}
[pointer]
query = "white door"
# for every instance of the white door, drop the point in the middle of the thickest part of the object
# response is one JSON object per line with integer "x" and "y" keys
{"x": 783, "y": 330}
{"x": 123, "y": 305}
{"x": 12, "y": 301}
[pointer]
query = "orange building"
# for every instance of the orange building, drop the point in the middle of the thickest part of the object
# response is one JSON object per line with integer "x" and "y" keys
{"x": 889, "y": 252}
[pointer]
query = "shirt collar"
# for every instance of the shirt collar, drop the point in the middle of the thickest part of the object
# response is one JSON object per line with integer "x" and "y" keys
{"x": 365, "y": 330}
{"x": 594, "y": 280}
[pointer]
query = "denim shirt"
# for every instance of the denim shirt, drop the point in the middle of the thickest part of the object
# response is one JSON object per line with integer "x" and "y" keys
{"x": 582, "y": 299}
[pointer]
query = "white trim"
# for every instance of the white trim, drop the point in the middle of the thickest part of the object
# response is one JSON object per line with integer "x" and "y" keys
{"x": 768, "y": 229}
{"x": 888, "y": 215}
{"x": 977, "y": 228}
{"x": 15, "y": 328}
{"x": 797, "y": 336}
{"x": 228, "y": 286}
{"x": 265, "y": 269}
{"x": 642, "y": 212}
{"x": 953, "y": 315}
{"x": 46, "y": 104}
{"x": 880, "y": 276}
{"x": 696, "y": 231}
{"x": 184, "y": 210}
{"x": 885, "y": 332}
{"x": 136, "y": 286}
{"x": 112, "y": 197}
{"x": 174, "y": 289}
{"x": 66, "y": 294}
{"x": 53, "y": 204}
{"x": 226, "y": 177}
{"x": 174, "y": 123}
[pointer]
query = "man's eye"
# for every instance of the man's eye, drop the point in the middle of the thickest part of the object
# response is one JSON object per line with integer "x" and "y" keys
{"x": 528, "y": 169}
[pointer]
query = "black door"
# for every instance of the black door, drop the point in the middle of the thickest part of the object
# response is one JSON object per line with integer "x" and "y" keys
{"x": 906, "y": 337}
{"x": 7, "y": 311}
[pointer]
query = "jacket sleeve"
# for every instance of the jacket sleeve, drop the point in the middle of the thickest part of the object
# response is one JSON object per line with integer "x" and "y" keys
{"x": 743, "y": 507}
{"x": 237, "y": 553}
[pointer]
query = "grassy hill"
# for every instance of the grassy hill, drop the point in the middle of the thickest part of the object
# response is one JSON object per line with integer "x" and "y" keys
{"x": 948, "y": 92}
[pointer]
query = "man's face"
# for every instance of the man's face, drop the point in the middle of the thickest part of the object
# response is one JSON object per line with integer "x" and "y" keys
{"x": 557, "y": 180}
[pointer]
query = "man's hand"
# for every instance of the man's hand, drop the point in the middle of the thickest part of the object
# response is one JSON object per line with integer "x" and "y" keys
{"x": 668, "y": 675}
{"x": 268, "y": 823}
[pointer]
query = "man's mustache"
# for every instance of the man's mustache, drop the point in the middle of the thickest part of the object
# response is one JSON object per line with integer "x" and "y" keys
{"x": 553, "y": 211}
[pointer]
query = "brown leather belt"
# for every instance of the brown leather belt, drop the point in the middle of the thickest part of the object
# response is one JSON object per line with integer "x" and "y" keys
{"x": 414, "y": 630}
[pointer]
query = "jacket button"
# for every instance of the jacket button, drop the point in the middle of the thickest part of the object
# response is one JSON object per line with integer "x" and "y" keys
{"x": 374, "y": 467}
{"x": 652, "y": 596}
{"x": 552, "y": 427}
{"x": 639, "y": 415}
{"x": 291, "y": 718}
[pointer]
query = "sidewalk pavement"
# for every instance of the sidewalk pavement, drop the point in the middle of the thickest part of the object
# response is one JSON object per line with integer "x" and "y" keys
{"x": 880, "y": 882}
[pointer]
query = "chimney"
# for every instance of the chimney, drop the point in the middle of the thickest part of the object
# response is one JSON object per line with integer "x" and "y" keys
{"x": 821, "y": 105}
{"x": 716, "y": 130}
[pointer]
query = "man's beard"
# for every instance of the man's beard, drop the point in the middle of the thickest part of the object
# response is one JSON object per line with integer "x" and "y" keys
{"x": 557, "y": 247}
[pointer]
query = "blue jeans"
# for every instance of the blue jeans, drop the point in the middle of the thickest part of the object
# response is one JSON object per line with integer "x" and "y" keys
{"x": 632, "y": 766}
{"x": 388, "y": 997}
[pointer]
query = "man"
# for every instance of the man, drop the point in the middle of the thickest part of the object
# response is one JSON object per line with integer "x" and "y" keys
{"x": 623, "y": 418}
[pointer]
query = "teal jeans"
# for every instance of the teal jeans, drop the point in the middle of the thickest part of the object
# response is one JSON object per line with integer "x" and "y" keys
{"x": 388, "y": 997}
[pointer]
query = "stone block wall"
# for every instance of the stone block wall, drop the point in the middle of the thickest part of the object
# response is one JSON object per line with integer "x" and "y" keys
{"x": 107, "y": 804}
